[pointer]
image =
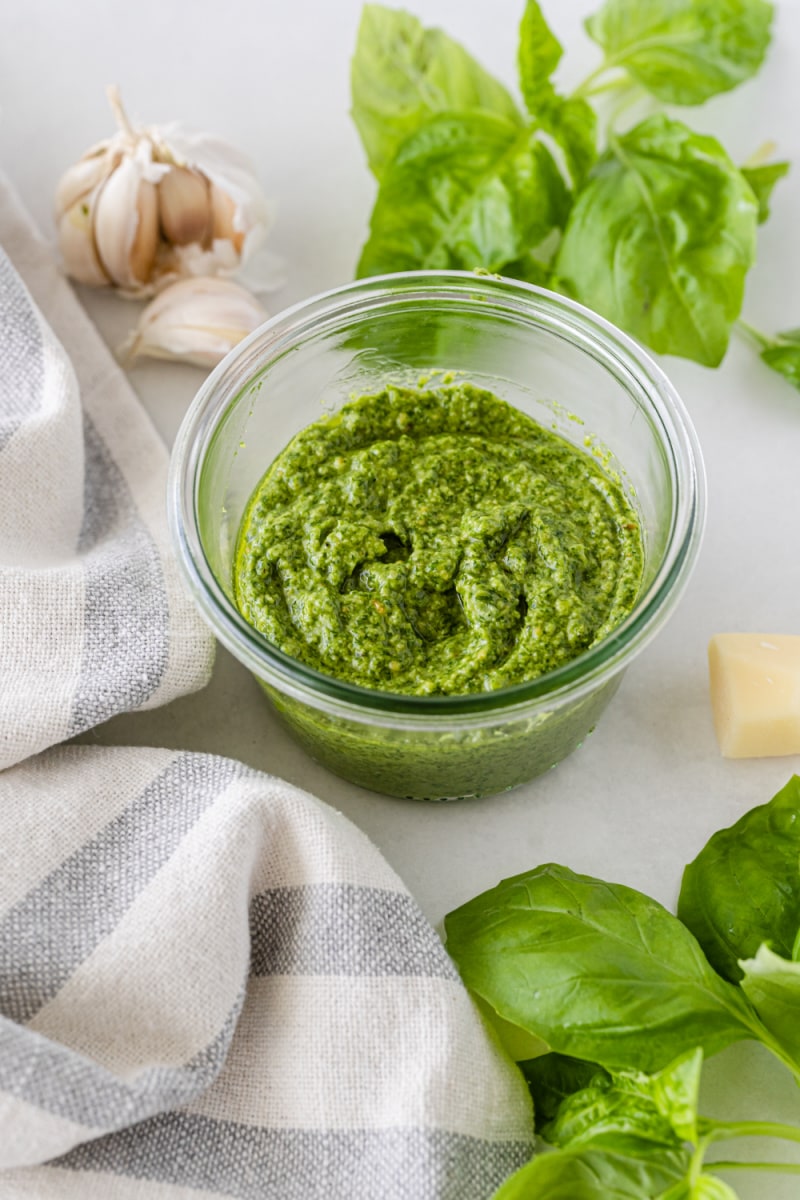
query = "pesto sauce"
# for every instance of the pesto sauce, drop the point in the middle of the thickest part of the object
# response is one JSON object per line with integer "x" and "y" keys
{"x": 436, "y": 541}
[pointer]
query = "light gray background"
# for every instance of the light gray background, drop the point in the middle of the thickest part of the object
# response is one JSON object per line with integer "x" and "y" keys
{"x": 643, "y": 794}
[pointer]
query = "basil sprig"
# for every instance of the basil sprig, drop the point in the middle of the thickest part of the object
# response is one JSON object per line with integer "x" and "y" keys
{"x": 655, "y": 229}
{"x": 630, "y": 999}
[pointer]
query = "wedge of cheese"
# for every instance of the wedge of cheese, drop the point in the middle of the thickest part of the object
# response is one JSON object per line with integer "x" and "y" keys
{"x": 755, "y": 693}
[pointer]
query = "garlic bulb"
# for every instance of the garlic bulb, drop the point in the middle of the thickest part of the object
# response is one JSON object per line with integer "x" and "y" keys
{"x": 195, "y": 320}
{"x": 148, "y": 206}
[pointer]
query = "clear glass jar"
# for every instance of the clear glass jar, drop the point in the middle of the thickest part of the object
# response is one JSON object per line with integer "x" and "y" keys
{"x": 566, "y": 367}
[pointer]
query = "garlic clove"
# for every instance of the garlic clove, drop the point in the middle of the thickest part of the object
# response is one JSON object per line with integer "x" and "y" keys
{"x": 145, "y": 243}
{"x": 77, "y": 245}
{"x": 184, "y": 206}
{"x": 81, "y": 179}
{"x": 126, "y": 225}
{"x": 196, "y": 320}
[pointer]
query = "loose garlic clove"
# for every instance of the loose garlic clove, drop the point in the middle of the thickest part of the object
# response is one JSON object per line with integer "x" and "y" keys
{"x": 196, "y": 320}
{"x": 126, "y": 225}
{"x": 184, "y": 206}
{"x": 77, "y": 245}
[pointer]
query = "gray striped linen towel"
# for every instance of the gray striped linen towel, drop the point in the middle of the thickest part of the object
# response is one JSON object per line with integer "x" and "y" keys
{"x": 214, "y": 985}
{"x": 93, "y": 618}
{"x": 211, "y": 984}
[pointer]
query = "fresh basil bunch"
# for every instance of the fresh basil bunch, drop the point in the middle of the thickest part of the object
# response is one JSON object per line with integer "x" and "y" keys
{"x": 629, "y": 999}
{"x": 656, "y": 230}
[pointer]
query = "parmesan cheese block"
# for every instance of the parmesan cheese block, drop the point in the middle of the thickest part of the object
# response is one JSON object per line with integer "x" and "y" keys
{"x": 755, "y": 693}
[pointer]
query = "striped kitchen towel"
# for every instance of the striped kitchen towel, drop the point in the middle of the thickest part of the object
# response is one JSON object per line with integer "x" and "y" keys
{"x": 93, "y": 618}
{"x": 212, "y": 985}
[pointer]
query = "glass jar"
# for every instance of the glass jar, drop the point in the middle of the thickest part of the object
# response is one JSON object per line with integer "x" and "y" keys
{"x": 563, "y": 365}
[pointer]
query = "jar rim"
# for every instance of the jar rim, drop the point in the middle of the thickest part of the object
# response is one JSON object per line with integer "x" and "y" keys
{"x": 541, "y": 308}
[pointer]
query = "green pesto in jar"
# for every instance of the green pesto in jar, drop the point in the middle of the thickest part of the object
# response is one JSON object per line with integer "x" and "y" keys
{"x": 436, "y": 541}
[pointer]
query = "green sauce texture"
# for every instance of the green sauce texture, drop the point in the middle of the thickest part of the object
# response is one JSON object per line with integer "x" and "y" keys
{"x": 436, "y": 541}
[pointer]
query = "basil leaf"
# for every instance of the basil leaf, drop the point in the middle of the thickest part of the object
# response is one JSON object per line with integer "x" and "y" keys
{"x": 594, "y": 1174}
{"x": 660, "y": 239}
{"x": 539, "y": 54}
{"x": 684, "y": 51}
{"x": 783, "y": 356}
{"x": 743, "y": 889}
{"x": 773, "y": 986}
{"x": 632, "y": 1111}
{"x": 762, "y": 180}
{"x": 598, "y": 970}
{"x": 675, "y": 1091}
{"x": 551, "y": 1078}
{"x": 402, "y": 73}
{"x": 464, "y": 191}
{"x": 615, "y": 1119}
{"x": 570, "y": 122}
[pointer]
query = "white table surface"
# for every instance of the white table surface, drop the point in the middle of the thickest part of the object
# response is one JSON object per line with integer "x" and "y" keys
{"x": 640, "y": 798}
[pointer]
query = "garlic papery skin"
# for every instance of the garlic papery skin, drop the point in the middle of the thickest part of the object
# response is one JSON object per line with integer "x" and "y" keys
{"x": 196, "y": 320}
{"x": 162, "y": 204}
